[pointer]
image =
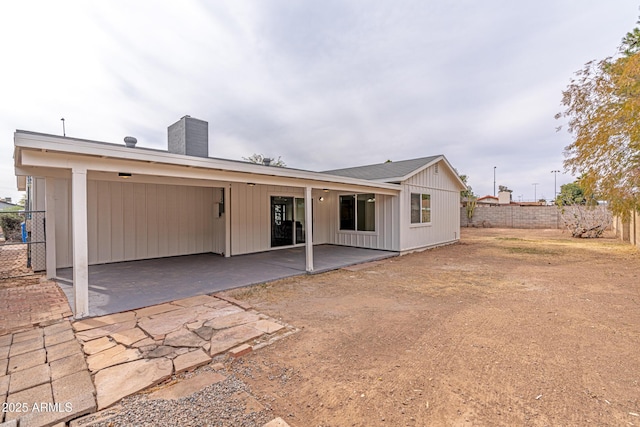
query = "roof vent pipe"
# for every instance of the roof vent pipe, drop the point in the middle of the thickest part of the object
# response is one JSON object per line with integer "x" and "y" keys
{"x": 130, "y": 141}
{"x": 266, "y": 161}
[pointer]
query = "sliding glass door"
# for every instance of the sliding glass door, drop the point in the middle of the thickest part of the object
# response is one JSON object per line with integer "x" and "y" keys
{"x": 287, "y": 221}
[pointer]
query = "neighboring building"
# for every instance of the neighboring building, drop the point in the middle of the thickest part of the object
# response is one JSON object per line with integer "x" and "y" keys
{"x": 487, "y": 200}
{"x": 110, "y": 202}
{"x": 4, "y": 204}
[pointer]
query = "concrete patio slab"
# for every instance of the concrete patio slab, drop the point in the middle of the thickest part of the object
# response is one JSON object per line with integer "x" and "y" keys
{"x": 131, "y": 285}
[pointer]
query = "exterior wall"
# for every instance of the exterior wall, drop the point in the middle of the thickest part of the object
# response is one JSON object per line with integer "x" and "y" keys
{"x": 628, "y": 231}
{"x": 445, "y": 201}
{"x": 130, "y": 221}
{"x": 327, "y": 223}
{"x": 514, "y": 217}
{"x": 251, "y": 216}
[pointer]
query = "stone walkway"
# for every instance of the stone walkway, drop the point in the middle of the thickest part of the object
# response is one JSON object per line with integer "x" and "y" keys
{"x": 62, "y": 370}
{"x": 131, "y": 351}
{"x": 43, "y": 376}
{"x": 23, "y": 306}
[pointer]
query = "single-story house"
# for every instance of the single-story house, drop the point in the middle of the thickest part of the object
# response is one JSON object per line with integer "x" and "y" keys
{"x": 109, "y": 202}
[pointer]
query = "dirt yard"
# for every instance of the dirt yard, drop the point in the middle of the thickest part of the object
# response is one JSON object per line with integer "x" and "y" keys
{"x": 509, "y": 327}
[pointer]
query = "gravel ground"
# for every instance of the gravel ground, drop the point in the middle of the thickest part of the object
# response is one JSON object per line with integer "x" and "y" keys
{"x": 216, "y": 405}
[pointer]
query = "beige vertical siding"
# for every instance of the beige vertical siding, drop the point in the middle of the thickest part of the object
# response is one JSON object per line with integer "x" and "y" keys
{"x": 445, "y": 209}
{"x": 251, "y": 215}
{"x": 128, "y": 221}
{"x": 327, "y": 224}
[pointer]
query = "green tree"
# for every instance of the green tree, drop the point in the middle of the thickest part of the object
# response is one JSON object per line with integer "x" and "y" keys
{"x": 259, "y": 159}
{"x": 603, "y": 116}
{"x": 571, "y": 194}
{"x": 468, "y": 197}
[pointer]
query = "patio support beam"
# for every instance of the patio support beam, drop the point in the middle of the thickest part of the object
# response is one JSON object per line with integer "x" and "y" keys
{"x": 50, "y": 226}
{"x": 308, "y": 220}
{"x": 227, "y": 220}
{"x": 80, "y": 242}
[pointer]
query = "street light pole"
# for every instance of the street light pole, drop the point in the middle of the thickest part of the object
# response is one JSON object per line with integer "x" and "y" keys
{"x": 535, "y": 187}
{"x": 494, "y": 181}
{"x": 555, "y": 184}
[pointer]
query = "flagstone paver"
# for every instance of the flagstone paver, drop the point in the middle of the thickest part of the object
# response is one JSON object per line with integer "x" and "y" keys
{"x": 155, "y": 309}
{"x": 276, "y": 422}
{"x": 104, "y": 330}
{"x": 158, "y": 326}
{"x": 187, "y": 386}
{"x": 97, "y": 322}
{"x": 129, "y": 336}
{"x": 162, "y": 351}
{"x": 267, "y": 326}
{"x": 232, "y": 337}
{"x": 191, "y": 360}
{"x": 116, "y": 382}
{"x": 97, "y": 345}
{"x": 184, "y": 338}
{"x": 112, "y": 356}
{"x": 231, "y": 320}
{"x": 93, "y": 363}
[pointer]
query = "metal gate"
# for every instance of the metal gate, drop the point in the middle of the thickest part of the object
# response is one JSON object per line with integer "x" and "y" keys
{"x": 22, "y": 243}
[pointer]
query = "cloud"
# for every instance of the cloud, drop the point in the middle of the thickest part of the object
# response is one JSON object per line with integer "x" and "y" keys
{"x": 322, "y": 84}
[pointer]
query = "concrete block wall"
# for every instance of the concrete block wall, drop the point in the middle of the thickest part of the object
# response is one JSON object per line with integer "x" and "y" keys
{"x": 513, "y": 217}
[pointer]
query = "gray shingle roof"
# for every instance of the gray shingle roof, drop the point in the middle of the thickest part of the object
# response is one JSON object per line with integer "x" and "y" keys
{"x": 384, "y": 171}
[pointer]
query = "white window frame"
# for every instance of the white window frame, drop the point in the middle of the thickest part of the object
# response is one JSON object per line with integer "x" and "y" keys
{"x": 356, "y": 231}
{"x": 421, "y": 223}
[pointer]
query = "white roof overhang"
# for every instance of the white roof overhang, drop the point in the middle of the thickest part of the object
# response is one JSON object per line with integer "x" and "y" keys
{"x": 49, "y": 155}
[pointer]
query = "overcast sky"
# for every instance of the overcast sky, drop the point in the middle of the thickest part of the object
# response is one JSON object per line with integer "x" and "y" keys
{"x": 325, "y": 84}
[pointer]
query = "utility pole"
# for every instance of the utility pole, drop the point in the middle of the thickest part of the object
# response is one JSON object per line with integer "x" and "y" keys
{"x": 555, "y": 183}
{"x": 494, "y": 181}
{"x": 535, "y": 195}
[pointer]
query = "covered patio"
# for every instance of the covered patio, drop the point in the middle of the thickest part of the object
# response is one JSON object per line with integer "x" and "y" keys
{"x": 129, "y": 285}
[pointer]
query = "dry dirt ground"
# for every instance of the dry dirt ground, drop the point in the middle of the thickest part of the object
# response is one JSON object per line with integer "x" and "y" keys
{"x": 509, "y": 327}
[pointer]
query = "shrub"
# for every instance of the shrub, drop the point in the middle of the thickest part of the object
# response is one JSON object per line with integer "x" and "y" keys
{"x": 11, "y": 226}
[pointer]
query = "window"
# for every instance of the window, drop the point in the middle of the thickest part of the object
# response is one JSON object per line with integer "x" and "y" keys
{"x": 358, "y": 212}
{"x": 420, "y": 208}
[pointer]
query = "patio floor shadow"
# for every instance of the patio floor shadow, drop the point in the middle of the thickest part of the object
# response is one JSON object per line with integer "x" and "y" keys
{"x": 129, "y": 285}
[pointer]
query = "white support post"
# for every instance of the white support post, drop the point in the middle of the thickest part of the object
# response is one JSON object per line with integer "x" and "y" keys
{"x": 227, "y": 220}
{"x": 50, "y": 226}
{"x": 308, "y": 221}
{"x": 80, "y": 242}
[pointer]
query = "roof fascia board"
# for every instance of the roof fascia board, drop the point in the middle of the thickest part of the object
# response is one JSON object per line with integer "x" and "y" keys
{"x": 56, "y": 160}
{"x": 75, "y": 148}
